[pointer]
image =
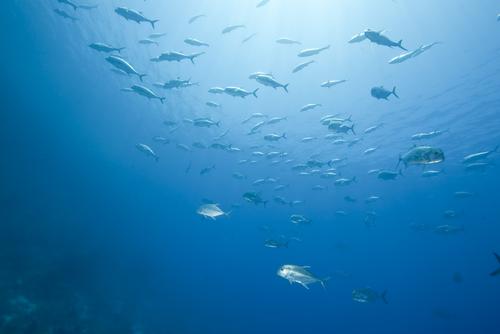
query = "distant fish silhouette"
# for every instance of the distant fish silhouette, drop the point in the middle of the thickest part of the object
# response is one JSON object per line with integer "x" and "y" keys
{"x": 496, "y": 272}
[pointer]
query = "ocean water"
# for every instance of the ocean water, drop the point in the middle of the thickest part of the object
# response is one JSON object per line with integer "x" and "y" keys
{"x": 98, "y": 237}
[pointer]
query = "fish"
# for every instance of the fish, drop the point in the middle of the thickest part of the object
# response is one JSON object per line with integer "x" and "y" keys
{"x": 216, "y": 90}
{"x": 239, "y": 176}
{"x": 357, "y": 38}
{"x": 232, "y": 28}
{"x": 450, "y": 214}
{"x": 211, "y": 211}
{"x": 411, "y": 54}
{"x": 341, "y": 128}
{"x": 370, "y": 150}
{"x": 301, "y": 66}
{"x": 269, "y": 81}
{"x": 431, "y": 173}
{"x": 148, "y": 151}
{"x": 183, "y": 147}
{"x": 274, "y": 137}
{"x": 176, "y": 84}
{"x": 69, "y": 3}
{"x": 345, "y": 181}
{"x": 103, "y": 47}
{"x": 373, "y": 128}
{"x": 199, "y": 145}
{"x": 144, "y": 91}
{"x": 462, "y": 194}
{"x": 254, "y": 75}
{"x": 205, "y": 123}
{"x": 382, "y": 93}
{"x": 207, "y": 170}
{"x": 372, "y": 199}
{"x": 496, "y": 272}
{"x": 368, "y": 295}
{"x": 310, "y": 106}
{"x": 249, "y": 37}
{"x": 312, "y": 52}
{"x": 169, "y": 123}
{"x": 308, "y": 139}
{"x": 478, "y": 156}
{"x": 239, "y": 92}
{"x": 176, "y": 56}
{"x": 280, "y": 187}
{"x": 254, "y": 198}
{"x": 133, "y": 15}
{"x": 427, "y": 135}
{"x": 195, "y": 42}
{"x": 350, "y": 199}
{"x": 300, "y": 275}
{"x": 319, "y": 187}
{"x": 157, "y": 35}
{"x": 124, "y": 66}
{"x": 275, "y": 120}
{"x": 271, "y": 243}
{"x": 65, "y": 15}
{"x": 262, "y": 3}
{"x": 148, "y": 41}
{"x": 377, "y": 38}
{"x": 299, "y": 219}
{"x": 388, "y": 174}
{"x": 331, "y": 83}
{"x": 448, "y": 229}
{"x": 161, "y": 139}
{"x": 422, "y": 155}
{"x": 195, "y": 18}
{"x": 280, "y": 200}
{"x": 287, "y": 41}
{"x": 88, "y": 7}
{"x": 477, "y": 166}
{"x": 212, "y": 104}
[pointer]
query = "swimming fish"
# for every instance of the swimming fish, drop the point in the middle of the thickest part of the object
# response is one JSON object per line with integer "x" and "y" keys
{"x": 287, "y": 41}
{"x": 496, "y": 272}
{"x": 65, "y": 15}
{"x": 176, "y": 56}
{"x": 146, "y": 92}
{"x": 301, "y": 66}
{"x": 312, "y": 52}
{"x": 427, "y": 135}
{"x": 102, "y": 47}
{"x": 195, "y": 42}
{"x": 300, "y": 275}
{"x": 478, "y": 156}
{"x": 382, "y": 93}
{"x": 123, "y": 65}
{"x": 216, "y": 90}
{"x": 422, "y": 155}
{"x": 232, "y": 28}
{"x": 207, "y": 170}
{"x": 246, "y": 39}
{"x": 357, "y": 38}
{"x": 262, "y": 3}
{"x": 377, "y": 38}
{"x": 239, "y": 92}
{"x": 274, "y": 137}
{"x": 254, "y": 198}
{"x": 299, "y": 219}
{"x": 310, "y": 106}
{"x": 148, "y": 41}
{"x": 212, "y": 104}
{"x": 133, "y": 15}
{"x": 211, "y": 211}
{"x": 271, "y": 243}
{"x": 368, "y": 295}
{"x": 69, "y": 3}
{"x": 195, "y": 18}
{"x": 331, "y": 83}
{"x": 269, "y": 81}
{"x": 411, "y": 54}
{"x": 148, "y": 151}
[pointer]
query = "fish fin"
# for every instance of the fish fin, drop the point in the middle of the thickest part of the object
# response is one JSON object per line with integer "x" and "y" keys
{"x": 304, "y": 285}
{"x": 401, "y": 46}
{"x": 497, "y": 257}
{"x": 323, "y": 281}
{"x": 394, "y": 92}
{"x": 153, "y": 23}
{"x": 495, "y": 273}
{"x": 157, "y": 158}
{"x": 254, "y": 93}
{"x": 285, "y": 87}
{"x": 384, "y": 297}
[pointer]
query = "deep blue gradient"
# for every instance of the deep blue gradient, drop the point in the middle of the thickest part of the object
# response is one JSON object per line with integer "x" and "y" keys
{"x": 104, "y": 240}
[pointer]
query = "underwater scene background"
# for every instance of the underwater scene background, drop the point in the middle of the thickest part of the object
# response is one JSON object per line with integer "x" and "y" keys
{"x": 378, "y": 198}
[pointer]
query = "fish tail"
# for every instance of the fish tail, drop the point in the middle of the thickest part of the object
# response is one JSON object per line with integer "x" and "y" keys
{"x": 352, "y": 129}
{"x": 394, "y": 92}
{"x": 120, "y": 49}
{"x": 496, "y": 148}
{"x": 162, "y": 99}
{"x": 323, "y": 281}
{"x": 384, "y": 297}
{"x": 283, "y": 135}
{"x": 157, "y": 158}
{"x": 254, "y": 93}
{"x": 141, "y": 76}
{"x": 285, "y": 87}
{"x": 401, "y": 46}
{"x": 153, "y": 23}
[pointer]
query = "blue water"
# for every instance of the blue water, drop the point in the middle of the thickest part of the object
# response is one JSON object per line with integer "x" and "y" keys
{"x": 97, "y": 237}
